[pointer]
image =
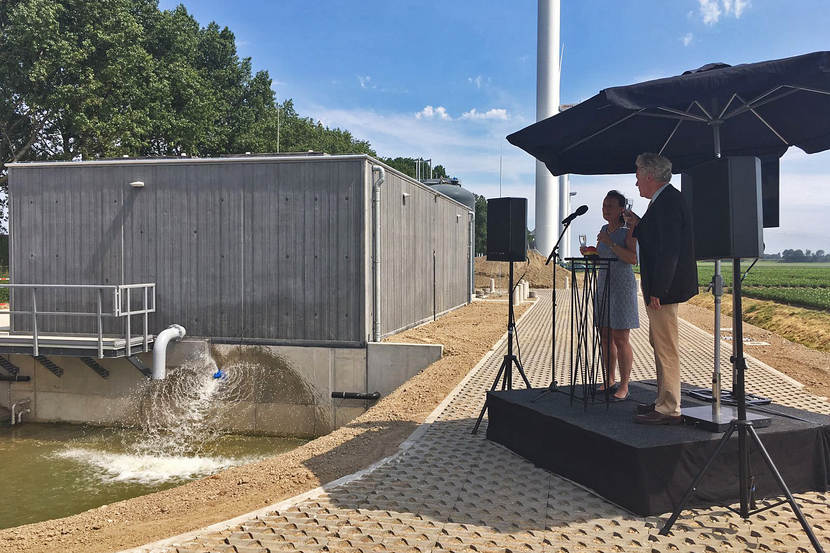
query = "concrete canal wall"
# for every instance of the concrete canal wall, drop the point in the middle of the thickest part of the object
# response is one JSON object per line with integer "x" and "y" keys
{"x": 284, "y": 390}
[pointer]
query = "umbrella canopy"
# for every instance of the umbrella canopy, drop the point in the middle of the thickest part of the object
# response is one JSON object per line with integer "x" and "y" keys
{"x": 751, "y": 109}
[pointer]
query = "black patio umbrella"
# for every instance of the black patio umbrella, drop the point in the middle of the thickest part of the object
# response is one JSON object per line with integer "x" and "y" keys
{"x": 756, "y": 109}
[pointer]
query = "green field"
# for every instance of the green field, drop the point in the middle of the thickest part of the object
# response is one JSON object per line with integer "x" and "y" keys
{"x": 802, "y": 284}
{"x": 765, "y": 273}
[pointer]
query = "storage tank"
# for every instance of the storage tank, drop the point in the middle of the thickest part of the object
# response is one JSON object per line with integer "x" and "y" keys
{"x": 452, "y": 188}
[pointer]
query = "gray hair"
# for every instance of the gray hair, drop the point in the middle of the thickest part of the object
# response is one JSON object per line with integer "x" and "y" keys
{"x": 654, "y": 165}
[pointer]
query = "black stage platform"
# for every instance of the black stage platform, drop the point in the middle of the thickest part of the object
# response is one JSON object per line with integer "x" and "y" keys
{"x": 646, "y": 469}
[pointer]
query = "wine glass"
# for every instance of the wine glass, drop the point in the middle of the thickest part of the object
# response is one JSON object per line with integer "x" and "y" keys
{"x": 583, "y": 240}
{"x": 629, "y": 205}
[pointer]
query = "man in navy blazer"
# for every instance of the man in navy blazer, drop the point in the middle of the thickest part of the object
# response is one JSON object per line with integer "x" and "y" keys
{"x": 668, "y": 276}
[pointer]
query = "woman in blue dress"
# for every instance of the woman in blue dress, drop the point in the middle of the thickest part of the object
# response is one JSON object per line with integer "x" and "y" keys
{"x": 615, "y": 241}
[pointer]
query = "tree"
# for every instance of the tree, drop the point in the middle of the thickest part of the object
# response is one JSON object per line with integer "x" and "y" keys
{"x": 481, "y": 224}
{"x": 531, "y": 239}
{"x": 408, "y": 166}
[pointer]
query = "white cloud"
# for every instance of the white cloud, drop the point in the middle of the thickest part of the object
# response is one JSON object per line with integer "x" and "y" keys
{"x": 365, "y": 81}
{"x": 735, "y": 7}
{"x": 740, "y": 6}
{"x": 687, "y": 39}
{"x": 476, "y": 81}
{"x": 430, "y": 112}
{"x": 710, "y": 11}
{"x": 495, "y": 113}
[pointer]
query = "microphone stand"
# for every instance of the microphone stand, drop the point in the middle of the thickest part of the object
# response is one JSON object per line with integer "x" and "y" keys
{"x": 554, "y": 255}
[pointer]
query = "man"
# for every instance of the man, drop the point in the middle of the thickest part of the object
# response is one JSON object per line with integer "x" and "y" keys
{"x": 668, "y": 276}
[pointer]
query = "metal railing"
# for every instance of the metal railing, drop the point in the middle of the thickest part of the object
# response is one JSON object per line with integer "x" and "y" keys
{"x": 122, "y": 299}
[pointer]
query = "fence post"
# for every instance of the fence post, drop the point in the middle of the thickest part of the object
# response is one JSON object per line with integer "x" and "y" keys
{"x": 146, "y": 341}
{"x": 34, "y": 322}
{"x": 129, "y": 330}
{"x": 100, "y": 329}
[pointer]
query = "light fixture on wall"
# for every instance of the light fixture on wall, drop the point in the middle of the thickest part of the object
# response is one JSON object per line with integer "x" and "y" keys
{"x": 404, "y": 197}
{"x": 137, "y": 184}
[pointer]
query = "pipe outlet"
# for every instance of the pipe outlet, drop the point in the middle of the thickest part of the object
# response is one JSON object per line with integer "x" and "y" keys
{"x": 172, "y": 332}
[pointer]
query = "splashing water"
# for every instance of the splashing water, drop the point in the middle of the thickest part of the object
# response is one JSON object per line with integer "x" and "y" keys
{"x": 180, "y": 420}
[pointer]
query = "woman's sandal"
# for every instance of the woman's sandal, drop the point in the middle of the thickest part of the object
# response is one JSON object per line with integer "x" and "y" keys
{"x": 614, "y": 398}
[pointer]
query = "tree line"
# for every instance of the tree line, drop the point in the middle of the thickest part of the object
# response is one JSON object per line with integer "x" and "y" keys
{"x": 89, "y": 79}
{"x": 799, "y": 256}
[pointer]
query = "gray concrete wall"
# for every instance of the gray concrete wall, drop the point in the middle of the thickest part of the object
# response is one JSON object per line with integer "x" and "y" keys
{"x": 251, "y": 248}
{"x": 390, "y": 364}
{"x": 280, "y": 390}
{"x": 415, "y": 222}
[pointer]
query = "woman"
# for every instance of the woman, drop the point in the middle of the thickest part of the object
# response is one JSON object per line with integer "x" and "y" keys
{"x": 615, "y": 241}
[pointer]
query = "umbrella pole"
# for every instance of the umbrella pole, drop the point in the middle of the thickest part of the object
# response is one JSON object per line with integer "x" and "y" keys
{"x": 717, "y": 291}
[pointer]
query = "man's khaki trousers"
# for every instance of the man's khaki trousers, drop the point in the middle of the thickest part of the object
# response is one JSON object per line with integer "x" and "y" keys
{"x": 662, "y": 334}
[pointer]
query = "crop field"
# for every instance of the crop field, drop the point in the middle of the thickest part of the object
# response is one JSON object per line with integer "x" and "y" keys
{"x": 802, "y": 284}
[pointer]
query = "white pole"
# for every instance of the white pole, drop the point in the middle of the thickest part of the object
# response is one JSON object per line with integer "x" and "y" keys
{"x": 564, "y": 211}
{"x": 547, "y": 104}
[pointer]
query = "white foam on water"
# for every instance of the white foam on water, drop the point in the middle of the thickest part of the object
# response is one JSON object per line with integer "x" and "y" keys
{"x": 148, "y": 469}
{"x": 180, "y": 423}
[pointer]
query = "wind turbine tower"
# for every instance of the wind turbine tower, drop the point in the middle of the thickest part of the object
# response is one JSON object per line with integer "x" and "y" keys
{"x": 552, "y": 197}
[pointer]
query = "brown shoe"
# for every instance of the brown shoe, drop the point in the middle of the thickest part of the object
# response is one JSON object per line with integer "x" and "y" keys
{"x": 656, "y": 417}
{"x": 644, "y": 408}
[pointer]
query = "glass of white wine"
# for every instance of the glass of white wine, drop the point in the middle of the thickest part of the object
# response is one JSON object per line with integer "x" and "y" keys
{"x": 583, "y": 240}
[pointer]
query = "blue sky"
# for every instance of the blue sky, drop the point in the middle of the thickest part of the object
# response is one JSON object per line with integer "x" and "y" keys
{"x": 449, "y": 80}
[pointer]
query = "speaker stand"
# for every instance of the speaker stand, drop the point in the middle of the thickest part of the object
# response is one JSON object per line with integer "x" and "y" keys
{"x": 745, "y": 430}
{"x": 505, "y": 373}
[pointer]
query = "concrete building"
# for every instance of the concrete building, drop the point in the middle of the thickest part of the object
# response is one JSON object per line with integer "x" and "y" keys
{"x": 313, "y": 257}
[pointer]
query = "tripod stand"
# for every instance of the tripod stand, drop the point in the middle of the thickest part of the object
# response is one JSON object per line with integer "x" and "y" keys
{"x": 505, "y": 373}
{"x": 745, "y": 430}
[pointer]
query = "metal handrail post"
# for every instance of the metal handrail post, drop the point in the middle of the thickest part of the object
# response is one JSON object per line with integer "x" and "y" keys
{"x": 129, "y": 330}
{"x": 34, "y": 323}
{"x": 146, "y": 340}
{"x": 100, "y": 329}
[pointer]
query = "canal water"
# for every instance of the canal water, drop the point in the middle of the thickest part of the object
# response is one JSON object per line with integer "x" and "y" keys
{"x": 174, "y": 435}
{"x": 56, "y": 470}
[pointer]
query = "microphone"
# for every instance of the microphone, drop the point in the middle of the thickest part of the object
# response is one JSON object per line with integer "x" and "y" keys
{"x": 579, "y": 211}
